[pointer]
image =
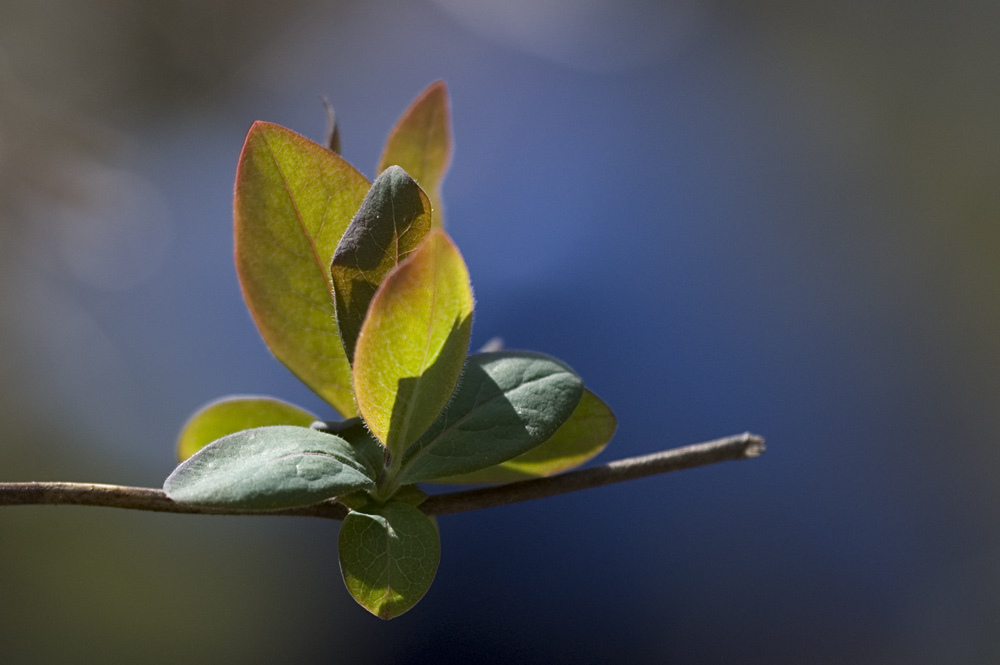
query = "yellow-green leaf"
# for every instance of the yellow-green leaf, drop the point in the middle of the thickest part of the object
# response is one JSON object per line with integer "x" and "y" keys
{"x": 388, "y": 556}
{"x": 586, "y": 433}
{"x": 392, "y": 222}
{"x": 413, "y": 342}
{"x": 420, "y": 142}
{"x": 233, "y": 414}
{"x": 294, "y": 200}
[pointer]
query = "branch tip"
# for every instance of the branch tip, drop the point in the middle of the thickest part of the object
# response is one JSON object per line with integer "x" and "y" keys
{"x": 755, "y": 445}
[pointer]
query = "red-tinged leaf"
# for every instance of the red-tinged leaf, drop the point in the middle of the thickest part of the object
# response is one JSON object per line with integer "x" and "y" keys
{"x": 421, "y": 143}
{"x": 294, "y": 200}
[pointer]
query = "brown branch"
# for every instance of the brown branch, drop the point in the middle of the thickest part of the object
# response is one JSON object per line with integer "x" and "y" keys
{"x": 136, "y": 498}
{"x": 741, "y": 446}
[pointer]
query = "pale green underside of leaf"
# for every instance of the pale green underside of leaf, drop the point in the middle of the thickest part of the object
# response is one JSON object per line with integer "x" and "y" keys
{"x": 269, "y": 468}
{"x": 421, "y": 143}
{"x": 294, "y": 199}
{"x": 507, "y": 403}
{"x": 234, "y": 414}
{"x": 393, "y": 220}
{"x": 413, "y": 343}
{"x": 388, "y": 557}
{"x": 583, "y": 436}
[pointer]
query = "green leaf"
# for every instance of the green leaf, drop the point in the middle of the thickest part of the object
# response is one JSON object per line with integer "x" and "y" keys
{"x": 392, "y": 222}
{"x": 388, "y": 557}
{"x": 234, "y": 414}
{"x": 586, "y": 433}
{"x": 413, "y": 342}
{"x": 410, "y": 494}
{"x": 421, "y": 143}
{"x": 268, "y": 468}
{"x": 508, "y": 403}
{"x": 294, "y": 200}
{"x": 367, "y": 448}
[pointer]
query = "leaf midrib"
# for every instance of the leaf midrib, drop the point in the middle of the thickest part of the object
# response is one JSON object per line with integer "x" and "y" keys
{"x": 420, "y": 452}
{"x": 410, "y": 409}
{"x": 387, "y": 600}
{"x": 327, "y": 281}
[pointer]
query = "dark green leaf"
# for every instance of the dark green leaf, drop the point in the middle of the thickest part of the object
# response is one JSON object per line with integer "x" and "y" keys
{"x": 421, "y": 143}
{"x": 388, "y": 557}
{"x": 586, "y": 433}
{"x": 392, "y": 222}
{"x": 410, "y": 494}
{"x": 508, "y": 403}
{"x": 233, "y": 414}
{"x": 268, "y": 468}
{"x": 413, "y": 342}
{"x": 294, "y": 199}
{"x": 366, "y": 447}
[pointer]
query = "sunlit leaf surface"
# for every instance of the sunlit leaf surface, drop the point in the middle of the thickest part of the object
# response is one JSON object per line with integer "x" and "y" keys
{"x": 233, "y": 414}
{"x": 413, "y": 343}
{"x": 421, "y": 143}
{"x": 294, "y": 200}
{"x": 269, "y": 468}
{"x": 388, "y": 557}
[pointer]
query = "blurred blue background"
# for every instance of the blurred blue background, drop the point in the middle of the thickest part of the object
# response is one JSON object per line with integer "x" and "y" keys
{"x": 774, "y": 216}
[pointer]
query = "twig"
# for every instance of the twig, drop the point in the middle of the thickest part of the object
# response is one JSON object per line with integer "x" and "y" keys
{"x": 741, "y": 446}
{"x": 135, "y": 498}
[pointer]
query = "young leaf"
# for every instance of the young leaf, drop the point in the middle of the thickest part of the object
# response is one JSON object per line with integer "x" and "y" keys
{"x": 413, "y": 342}
{"x": 586, "y": 433}
{"x": 508, "y": 403}
{"x": 268, "y": 468}
{"x": 421, "y": 143}
{"x": 234, "y": 414}
{"x": 294, "y": 199}
{"x": 388, "y": 557}
{"x": 393, "y": 220}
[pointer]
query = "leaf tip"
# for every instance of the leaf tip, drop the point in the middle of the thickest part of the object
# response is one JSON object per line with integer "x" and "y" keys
{"x": 438, "y": 87}
{"x": 332, "y": 128}
{"x": 396, "y": 176}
